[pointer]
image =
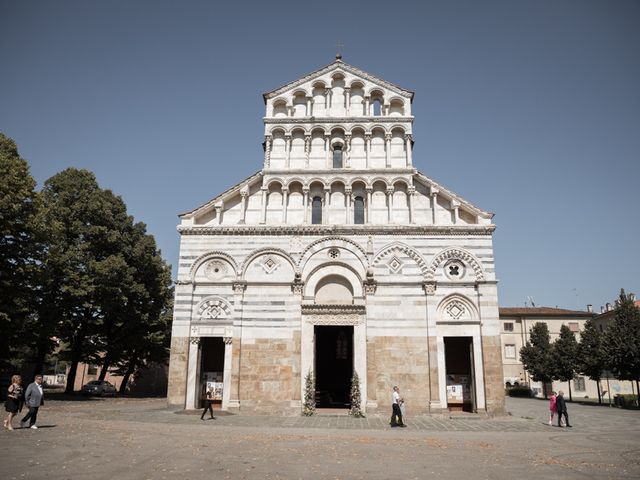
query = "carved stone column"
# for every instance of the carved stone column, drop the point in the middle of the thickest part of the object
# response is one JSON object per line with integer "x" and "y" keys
{"x": 244, "y": 193}
{"x": 285, "y": 197}
{"x": 434, "y": 204}
{"x": 369, "y": 191}
{"x": 227, "y": 372}
{"x": 219, "y": 209}
{"x": 325, "y": 205}
{"x": 327, "y": 101}
{"x": 347, "y": 95}
{"x": 390, "y": 191}
{"x": 348, "y": 191}
{"x": 408, "y": 140}
{"x": 193, "y": 374}
{"x": 305, "y": 203}
{"x": 287, "y": 149}
{"x": 367, "y": 105}
{"x": 387, "y": 149}
{"x": 347, "y": 151}
{"x": 307, "y": 149}
{"x": 455, "y": 205}
{"x": 410, "y": 198}
{"x": 267, "y": 150}
{"x": 309, "y": 106}
{"x": 263, "y": 215}
{"x": 327, "y": 150}
{"x": 367, "y": 148}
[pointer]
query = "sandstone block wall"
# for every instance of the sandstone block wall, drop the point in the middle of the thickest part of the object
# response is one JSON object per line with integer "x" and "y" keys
{"x": 177, "y": 389}
{"x": 400, "y": 361}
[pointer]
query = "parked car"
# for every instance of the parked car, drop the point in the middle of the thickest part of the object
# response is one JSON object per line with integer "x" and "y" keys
{"x": 97, "y": 387}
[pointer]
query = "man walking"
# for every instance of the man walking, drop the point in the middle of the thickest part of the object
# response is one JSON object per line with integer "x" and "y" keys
{"x": 34, "y": 397}
{"x": 561, "y": 408}
{"x": 396, "y": 413}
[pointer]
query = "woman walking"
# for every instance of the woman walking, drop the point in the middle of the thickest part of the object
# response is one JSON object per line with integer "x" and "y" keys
{"x": 14, "y": 395}
{"x": 552, "y": 407}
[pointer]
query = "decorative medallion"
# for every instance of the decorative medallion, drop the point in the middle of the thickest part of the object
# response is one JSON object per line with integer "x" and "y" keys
{"x": 216, "y": 270}
{"x": 269, "y": 264}
{"x": 395, "y": 265}
{"x": 333, "y": 253}
{"x": 454, "y": 270}
{"x": 455, "y": 309}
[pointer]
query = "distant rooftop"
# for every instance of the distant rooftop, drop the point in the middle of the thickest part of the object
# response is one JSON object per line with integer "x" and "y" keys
{"x": 542, "y": 312}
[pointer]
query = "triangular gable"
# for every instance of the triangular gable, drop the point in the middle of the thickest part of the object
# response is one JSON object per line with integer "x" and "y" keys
{"x": 448, "y": 193}
{"x": 337, "y": 65}
{"x": 236, "y": 188}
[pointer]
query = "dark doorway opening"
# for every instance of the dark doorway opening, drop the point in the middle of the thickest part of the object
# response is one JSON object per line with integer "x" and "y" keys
{"x": 458, "y": 353}
{"x": 211, "y": 369}
{"x": 334, "y": 365}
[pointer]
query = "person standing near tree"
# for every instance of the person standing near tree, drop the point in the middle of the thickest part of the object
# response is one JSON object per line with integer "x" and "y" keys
{"x": 552, "y": 407}
{"x": 34, "y": 398}
{"x": 561, "y": 408}
{"x": 396, "y": 413}
{"x": 14, "y": 397}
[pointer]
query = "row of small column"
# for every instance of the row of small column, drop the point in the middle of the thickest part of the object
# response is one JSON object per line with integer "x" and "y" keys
{"x": 268, "y": 145}
{"x": 326, "y": 202}
{"x": 328, "y": 101}
{"x": 244, "y": 193}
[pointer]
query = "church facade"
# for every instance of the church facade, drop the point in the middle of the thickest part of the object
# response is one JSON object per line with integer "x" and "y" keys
{"x": 337, "y": 256}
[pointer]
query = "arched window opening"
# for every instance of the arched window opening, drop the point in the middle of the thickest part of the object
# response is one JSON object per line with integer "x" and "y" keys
{"x": 316, "y": 211}
{"x": 377, "y": 107}
{"x": 358, "y": 211}
{"x": 337, "y": 156}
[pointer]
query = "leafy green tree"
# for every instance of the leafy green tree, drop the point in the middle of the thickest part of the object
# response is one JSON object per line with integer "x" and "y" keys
{"x": 137, "y": 329}
{"x": 621, "y": 343}
{"x": 591, "y": 361}
{"x": 85, "y": 225}
{"x": 565, "y": 356}
{"x": 536, "y": 356}
{"x": 19, "y": 248}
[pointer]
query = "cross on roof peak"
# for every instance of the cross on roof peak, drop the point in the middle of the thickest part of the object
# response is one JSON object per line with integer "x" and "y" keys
{"x": 339, "y": 45}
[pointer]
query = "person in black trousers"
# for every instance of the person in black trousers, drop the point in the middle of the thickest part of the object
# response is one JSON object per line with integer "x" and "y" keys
{"x": 561, "y": 408}
{"x": 396, "y": 413}
{"x": 207, "y": 405}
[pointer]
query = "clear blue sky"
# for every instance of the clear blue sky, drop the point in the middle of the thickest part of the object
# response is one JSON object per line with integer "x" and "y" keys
{"x": 530, "y": 110}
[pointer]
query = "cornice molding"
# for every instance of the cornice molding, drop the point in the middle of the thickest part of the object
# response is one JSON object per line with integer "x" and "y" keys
{"x": 330, "y": 120}
{"x": 276, "y": 230}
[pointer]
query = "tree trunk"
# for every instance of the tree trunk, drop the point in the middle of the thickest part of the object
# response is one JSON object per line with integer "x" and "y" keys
{"x": 637, "y": 393}
{"x": 71, "y": 377}
{"x": 125, "y": 380}
{"x": 599, "y": 394}
{"x": 105, "y": 367}
{"x": 38, "y": 368}
{"x": 569, "y": 383}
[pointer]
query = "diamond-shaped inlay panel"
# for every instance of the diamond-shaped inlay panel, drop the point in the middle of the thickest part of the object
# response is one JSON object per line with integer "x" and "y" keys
{"x": 394, "y": 264}
{"x": 455, "y": 309}
{"x": 270, "y": 264}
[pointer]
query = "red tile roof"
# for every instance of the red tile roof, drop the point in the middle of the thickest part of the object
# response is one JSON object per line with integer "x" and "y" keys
{"x": 542, "y": 312}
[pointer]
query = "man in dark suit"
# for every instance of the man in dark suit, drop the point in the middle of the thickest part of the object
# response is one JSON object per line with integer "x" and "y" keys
{"x": 561, "y": 408}
{"x": 33, "y": 397}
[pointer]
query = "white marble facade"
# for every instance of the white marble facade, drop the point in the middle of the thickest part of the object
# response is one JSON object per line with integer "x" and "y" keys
{"x": 337, "y": 228}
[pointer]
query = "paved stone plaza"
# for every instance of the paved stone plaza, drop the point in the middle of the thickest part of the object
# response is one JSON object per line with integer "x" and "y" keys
{"x": 141, "y": 439}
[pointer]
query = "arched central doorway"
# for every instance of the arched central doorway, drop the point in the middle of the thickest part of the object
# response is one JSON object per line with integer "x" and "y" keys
{"x": 333, "y": 365}
{"x": 334, "y": 333}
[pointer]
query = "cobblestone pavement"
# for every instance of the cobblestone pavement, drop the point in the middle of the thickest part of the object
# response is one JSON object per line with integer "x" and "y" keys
{"x": 142, "y": 439}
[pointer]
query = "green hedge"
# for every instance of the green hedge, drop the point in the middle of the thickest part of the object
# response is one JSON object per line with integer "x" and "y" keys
{"x": 627, "y": 400}
{"x": 519, "y": 392}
